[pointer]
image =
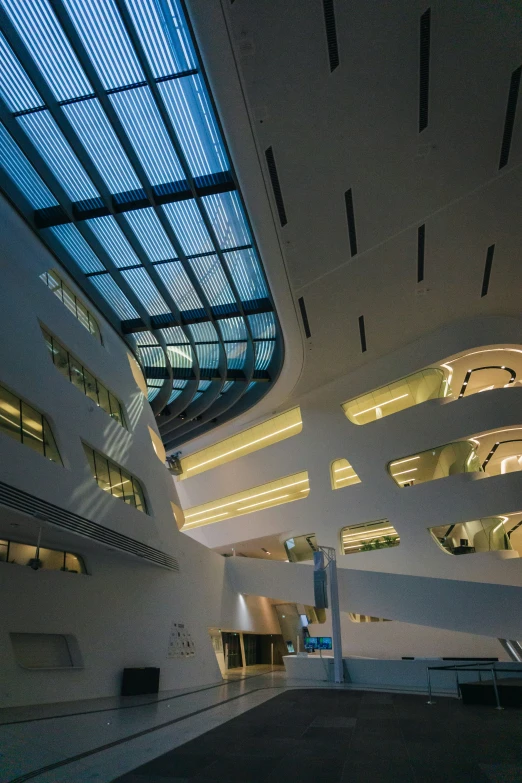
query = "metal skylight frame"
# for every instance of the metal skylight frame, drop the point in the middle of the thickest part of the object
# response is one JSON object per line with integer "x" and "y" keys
{"x": 107, "y": 248}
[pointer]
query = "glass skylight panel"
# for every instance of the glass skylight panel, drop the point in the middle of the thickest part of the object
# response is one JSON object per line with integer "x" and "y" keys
{"x": 263, "y": 353}
{"x": 233, "y": 329}
{"x": 262, "y": 326}
{"x": 203, "y": 385}
{"x": 186, "y": 220}
{"x": 226, "y": 386}
{"x": 208, "y": 355}
{"x": 77, "y": 247}
{"x": 146, "y": 291}
{"x": 226, "y": 215}
{"x": 18, "y": 168}
{"x": 43, "y": 36}
{"x": 15, "y": 86}
{"x": 236, "y": 354}
{"x": 151, "y": 356}
{"x": 152, "y": 392}
{"x": 114, "y": 296}
{"x": 213, "y": 281}
{"x": 178, "y": 283}
{"x": 166, "y": 42}
{"x": 190, "y": 112}
{"x": 143, "y": 125}
{"x": 147, "y": 227}
{"x": 180, "y": 355}
{"x": 99, "y": 139}
{"x": 103, "y": 35}
{"x": 145, "y": 338}
{"x": 174, "y": 395}
{"x": 48, "y": 139}
{"x": 174, "y": 335}
{"x": 246, "y": 273}
{"x": 204, "y": 332}
{"x": 113, "y": 241}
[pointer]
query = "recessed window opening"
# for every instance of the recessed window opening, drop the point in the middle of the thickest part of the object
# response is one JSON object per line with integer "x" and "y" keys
{"x": 366, "y": 618}
{"x": 368, "y": 537}
{"x": 53, "y": 281}
{"x": 23, "y": 423}
{"x": 274, "y": 430}
{"x": 342, "y": 474}
{"x": 449, "y": 459}
{"x": 300, "y": 548}
{"x": 488, "y": 534}
{"x": 265, "y": 496}
{"x": 116, "y": 480}
{"x": 82, "y": 379}
{"x": 45, "y": 559}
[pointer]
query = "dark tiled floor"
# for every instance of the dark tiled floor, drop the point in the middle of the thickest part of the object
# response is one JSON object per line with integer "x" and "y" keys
{"x": 333, "y": 736}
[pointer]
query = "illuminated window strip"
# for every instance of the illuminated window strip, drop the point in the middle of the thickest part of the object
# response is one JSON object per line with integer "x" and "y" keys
{"x": 236, "y": 505}
{"x": 381, "y": 405}
{"x": 242, "y": 449}
{"x": 354, "y": 538}
{"x": 338, "y": 482}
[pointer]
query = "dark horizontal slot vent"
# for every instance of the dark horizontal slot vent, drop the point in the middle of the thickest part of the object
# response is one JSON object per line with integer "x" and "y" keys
{"x": 350, "y": 216}
{"x": 511, "y": 109}
{"x": 421, "y": 233}
{"x": 362, "y": 333}
{"x": 424, "y": 69}
{"x": 331, "y": 33}
{"x": 276, "y": 187}
{"x": 487, "y": 269}
{"x": 304, "y": 316}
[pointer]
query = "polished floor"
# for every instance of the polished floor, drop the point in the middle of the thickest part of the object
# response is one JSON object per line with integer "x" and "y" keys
{"x": 263, "y": 727}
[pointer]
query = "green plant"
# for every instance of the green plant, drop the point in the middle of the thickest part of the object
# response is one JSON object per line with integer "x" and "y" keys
{"x": 379, "y": 543}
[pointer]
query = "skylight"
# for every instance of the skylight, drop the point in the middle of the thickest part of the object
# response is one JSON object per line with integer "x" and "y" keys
{"x": 111, "y": 148}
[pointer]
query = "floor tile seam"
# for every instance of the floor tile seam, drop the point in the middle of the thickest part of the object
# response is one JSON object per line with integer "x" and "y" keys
{"x": 121, "y": 741}
{"x": 132, "y": 706}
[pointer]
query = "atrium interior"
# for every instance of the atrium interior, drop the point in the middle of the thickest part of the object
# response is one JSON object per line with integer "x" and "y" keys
{"x": 260, "y": 391}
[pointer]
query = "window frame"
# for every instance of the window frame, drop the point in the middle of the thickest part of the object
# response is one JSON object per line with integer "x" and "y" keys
{"x": 46, "y": 427}
{"x": 94, "y": 330}
{"x": 137, "y": 495}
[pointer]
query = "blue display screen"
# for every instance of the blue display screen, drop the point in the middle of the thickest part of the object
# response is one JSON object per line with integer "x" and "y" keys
{"x": 318, "y": 643}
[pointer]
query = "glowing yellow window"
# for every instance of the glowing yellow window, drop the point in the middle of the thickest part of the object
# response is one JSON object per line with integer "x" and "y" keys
{"x": 269, "y": 432}
{"x": 368, "y": 537}
{"x": 342, "y": 474}
{"x": 275, "y": 493}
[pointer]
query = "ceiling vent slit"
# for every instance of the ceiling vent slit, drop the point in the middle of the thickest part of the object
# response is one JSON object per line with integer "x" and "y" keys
{"x": 362, "y": 333}
{"x": 424, "y": 69}
{"x": 421, "y": 234}
{"x": 509, "y": 123}
{"x": 487, "y": 269}
{"x": 350, "y": 216}
{"x": 331, "y": 33}
{"x": 276, "y": 187}
{"x": 304, "y": 316}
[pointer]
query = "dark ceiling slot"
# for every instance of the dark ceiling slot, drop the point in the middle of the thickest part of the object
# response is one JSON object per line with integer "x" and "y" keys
{"x": 514, "y": 87}
{"x": 424, "y": 69}
{"x": 487, "y": 269}
{"x": 276, "y": 187}
{"x": 421, "y": 234}
{"x": 304, "y": 316}
{"x": 331, "y": 33}
{"x": 350, "y": 216}
{"x": 362, "y": 333}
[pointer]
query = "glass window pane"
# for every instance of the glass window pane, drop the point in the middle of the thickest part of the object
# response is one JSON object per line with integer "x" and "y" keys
{"x": 32, "y": 428}
{"x": 61, "y": 359}
{"x": 94, "y": 328}
{"x": 128, "y": 490}
{"x": 74, "y": 564}
{"x": 115, "y": 408}
{"x": 89, "y": 453}
{"x": 3, "y": 551}
{"x": 9, "y": 414}
{"x": 51, "y": 449}
{"x": 51, "y": 559}
{"x": 82, "y": 314}
{"x": 55, "y": 284}
{"x": 48, "y": 341}
{"x": 21, "y": 554}
{"x": 103, "y": 395}
{"x": 139, "y": 496}
{"x": 69, "y": 299}
{"x": 102, "y": 472}
{"x": 76, "y": 374}
{"x": 90, "y": 386}
{"x": 116, "y": 482}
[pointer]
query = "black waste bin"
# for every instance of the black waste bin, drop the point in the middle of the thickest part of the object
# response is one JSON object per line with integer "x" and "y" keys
{"x": 138, "y": 681}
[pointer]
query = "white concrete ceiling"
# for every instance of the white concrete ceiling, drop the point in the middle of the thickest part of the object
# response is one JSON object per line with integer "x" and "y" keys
{"x": 357, "y": 128}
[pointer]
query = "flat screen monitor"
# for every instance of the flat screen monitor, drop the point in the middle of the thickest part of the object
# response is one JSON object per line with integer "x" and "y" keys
{"x": 318, "y": 643}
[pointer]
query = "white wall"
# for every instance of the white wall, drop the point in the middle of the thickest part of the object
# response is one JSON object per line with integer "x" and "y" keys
{"x": 121, "y": 612}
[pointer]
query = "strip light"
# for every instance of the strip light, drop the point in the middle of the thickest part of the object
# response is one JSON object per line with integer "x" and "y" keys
{"x": 367, "y": 533}
{"x": 245, "y": 446}
{"x": 409, "y": 459}
{"x": 262, "y": 502}
{"x": 338, "y": 470}
{"x": 402, "y": 472}
{"x": 242, "y": 500}
{"x": 381, "y": 405}
{"x": 346, "y": 478}
{"x": 200, "y": 521}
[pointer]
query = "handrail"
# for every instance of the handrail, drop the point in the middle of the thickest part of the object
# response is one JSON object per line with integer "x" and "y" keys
{"x": 479, "y": 667}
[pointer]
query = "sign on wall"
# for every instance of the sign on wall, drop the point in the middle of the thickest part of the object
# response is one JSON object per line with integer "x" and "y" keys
{"x": 181, "y": 644}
